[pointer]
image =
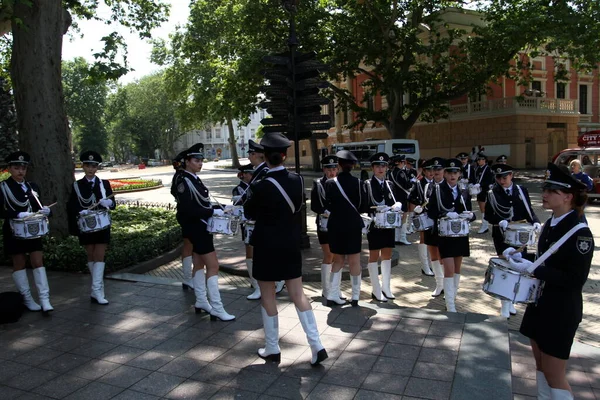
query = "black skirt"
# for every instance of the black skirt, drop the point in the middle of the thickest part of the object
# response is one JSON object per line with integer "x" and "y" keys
{"x": 431, "y": 237}
{"x": 99, "y": 237}
{"x": 323, "y": 237}
{"x": 454, "y": 246}
{"x": 201, "y": 240}
{"x": 13, "y": 246}
{"x": 276, "y": 264}
{"x": 381, "y": 238}
{"x": 482, "y": 196}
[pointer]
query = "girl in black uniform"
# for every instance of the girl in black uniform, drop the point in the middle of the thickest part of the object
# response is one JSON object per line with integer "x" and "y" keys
{"x": 187, "y": 249}
{"x": 551, "y": 323}
{"x": 193, "y": 211}
{"x": 484, "y": 179}
{"x": 416, "y": 200}
{"x": 275, "y": 203}
{"x": 381, "y": 241}
{"x": 447, "y": 200}
{"x": 87, "y": 192}
{"x": 20, "y": 199}
{"x": 346, "y": 200}
{"x": 318, "y": 205}
{"x": 430, "y": 236}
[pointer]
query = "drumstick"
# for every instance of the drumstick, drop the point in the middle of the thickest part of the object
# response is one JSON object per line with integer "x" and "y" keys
{"x": 52, "y": 205}
{"x": 520, "y": 249}
{"x": 96, "y": 204}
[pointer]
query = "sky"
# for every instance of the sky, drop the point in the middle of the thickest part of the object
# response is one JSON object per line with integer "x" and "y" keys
{"x": 138, "y": 49}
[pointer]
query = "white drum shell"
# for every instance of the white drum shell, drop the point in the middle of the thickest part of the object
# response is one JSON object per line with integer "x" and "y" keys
{"x": 248, "y": 229}
{"x": 506, "y": 284}
{"x": 222, "y": 224}
{"x": 422, "y": 222}
{"x": 388, "y": 220}
{"x": 30, "y": 228}
{"x": 519, "y": 234}
{"x": 323, "y": 220}
{"x": 93, "y": 221}
{"x": 474, "y": 190}
{"x": 237, "y": 211}
{"x": 453, "y": 227}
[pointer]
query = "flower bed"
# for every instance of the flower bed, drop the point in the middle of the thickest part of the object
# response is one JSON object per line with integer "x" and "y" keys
{"x": 4, "y": 175}
{"x": 137, "y": 234}
{"x": 122, "y": 185}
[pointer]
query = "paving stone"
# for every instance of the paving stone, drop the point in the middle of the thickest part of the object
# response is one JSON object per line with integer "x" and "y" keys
{"x": 331, "y": 392}
{"x": 174, "y": 347}
{"x": 94, "y": 369}
{"x": 93, "y": 348}
{"x": 401, "y": 351}
{"x": 216, "y": 374}
{"x": 438, "y": 372}
{"x": 410, "y": 338}
{"x": 146, "y": 341}
{"x": 95, "y": 391}
{"x": 252, "y": 381}
{"x": 428, "y": 389}
{"x": 481, "y": 382}
{"x": 182, "y": 366}
{"x": 445, "y": 343}
{"x": 65, "y": 362}
{"x": 578, "y": 378}
{"x": 438, "y": 356}
{"x": 67, "y": 343}
{"x": 238, "y": 358}
{"x": 41, "y": 338}
{"x": 157, "y": 384}
{"x": 228, "y": 393}
{"x": 38, "y": 356}
{"x": 224, "y": 340}
{"x": 16, "y": 349}
{"x": 289, "y": 387}
{"x": 133, "y": 395}
{"x": 379, "y": 335}
{"x": 191, "y": 389}
{"x": 387, "y": 383}
{"x": 583, "y": 392}
{"x": 396, "y": 366}
{"x": 368, "y": 394}
{"x": 61, "y": 386}
{"x": 445, "y": 329}
{"x": 365, "y": 346}
{"x": 303, "y": 369}
{"x": 205, "y": 353}
{"x": 124, "y": 376}
{"x": 351, "y": 360}
{"x": 151, "y": 360}
{"x": 30, "y": 378}
{"x": 122, "y": 354}
{"x": 523, "y": 371}
{"x": 9, "y": 393}
{"x": 10, "y": 369}
{"x": 351, "y": 377}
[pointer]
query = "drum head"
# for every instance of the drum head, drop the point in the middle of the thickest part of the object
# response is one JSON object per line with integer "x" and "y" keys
{"x": 503, "y": 264}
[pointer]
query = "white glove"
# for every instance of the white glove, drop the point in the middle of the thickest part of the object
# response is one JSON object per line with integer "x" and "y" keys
{"x": 218, "y": 211}
{"x": 84, "y": 212}
{"x": 397, "y": 207}
{"x": 521, "y": 265}
{"x": 477, "y": 185}
{"x": 508, "y": 254}
{"x": 537, "y": 227}
{"x": 466, "y": 215}
{"x": 503, "y": 224}
{"x": 452, "y": 215}
{"x": 24, "y": 214}
{"x": 418, "y": 210}
{"x": 106, "y": 203}
{"x": 326, "y": 212}
{"x": 413, "y": 180}
{"x": 228, "y": 208}
{"x": 45, "y": 210}
{"x": 491, "y": 186}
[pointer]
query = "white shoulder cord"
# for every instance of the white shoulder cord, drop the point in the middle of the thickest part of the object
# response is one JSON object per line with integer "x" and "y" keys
{"x": 524, "y": 199}
{"x": 196, "y": 195}
{"x": 320, "y": 191}
{"x": 10, "y": 199}
{"x": 502, "y": 211}
{"x": 387, "y": 183}
{"x": 441, "y": 207}
{"x": 82, "y": 201}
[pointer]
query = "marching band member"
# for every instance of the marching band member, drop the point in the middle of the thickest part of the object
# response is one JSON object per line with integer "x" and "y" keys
{"x": 193, "y": 210}
{"x": 502, "y": 159}
{"x": 317, "y": 205}
{"x": 187, "y": 249}
{"x": 417, "y": 201}
{"x": 468, "y": 172}
{"x": 413, "y": 175}
{"x": 507, "y": 202}
{"x": 551, "y": 323}
{"x": 346, "y": 200}
{"x": 448, "y": 201}
{"x": 89, "y": 194}
{"x": 430, "y": 236}
{"x": 484, "y": 179}
{"x": 274, "y": 203}
{"x": 381, "y": 241}
{"x": 402, "y": 184}
{"x": 20, "y": 199}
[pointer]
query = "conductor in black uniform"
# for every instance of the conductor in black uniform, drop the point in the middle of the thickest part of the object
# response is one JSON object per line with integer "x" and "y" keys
{"x": 274, "y": 203}
{"x": 551, "y": 323}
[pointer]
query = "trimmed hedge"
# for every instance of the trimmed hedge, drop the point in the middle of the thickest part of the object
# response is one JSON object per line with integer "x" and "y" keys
{"x": 137, "y": 234}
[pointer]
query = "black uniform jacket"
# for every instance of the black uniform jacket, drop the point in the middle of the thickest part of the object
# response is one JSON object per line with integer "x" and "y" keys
{"x": 417, "y": 193}
{"x": 402, "y": 184}
{"x": 468, "y": 172}
{"x": 193, "y": 202}
{"x": 318, "y": 201}
{"x": 259, "y": 173}
{"x": 75, "y": 204}
{"x": 343, "y": 215}
{"x": 435, "y": 210}
{"x": 10, "y": 210}
{"x": 379, "y": 194}
{"x": 485, "y": 177}
{"x": 564, "y": 273}
{"x": 276, "y": 225}
{"x": 174, "y": 182}
{"x": 494, "y": 215}
{"x": 240, "y": 189}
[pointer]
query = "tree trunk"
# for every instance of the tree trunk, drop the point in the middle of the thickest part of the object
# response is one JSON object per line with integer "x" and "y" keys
{"x": 232, "y": 144}
{"x": 41, "y": 117}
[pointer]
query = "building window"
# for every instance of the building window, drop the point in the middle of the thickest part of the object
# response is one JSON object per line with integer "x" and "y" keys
{"x": 561, "y": 90}
{"x": 218, "y": 133}
{"x": 536, "y": 85}
{"x": 252, "y": 133}
{"x": 369, "y": 102}
{"x": 583, "y": 99}
{"x": 209, "y": 135}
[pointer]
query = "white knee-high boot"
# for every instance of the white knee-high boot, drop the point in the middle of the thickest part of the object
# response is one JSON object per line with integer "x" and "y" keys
{"x": 484, "y": 227}
{"x": 199, "y": 285}
{"x": 505, "y": 308}
{"x": 333, "y": 297}
{"x": 403, "y": 231}
{"x": 22, "y": 283}
{"x": 41, "y": 281}
{"x": 325, "y": 273}
{"x": 450, "y": 294}
{"x": 97, "y": 295}
{"x": 561, "y": 394}
{"x": 424, "y": 257}
{"x": 543, "y": 389}
{"x": 438, "y": 270}
{"x": 376, "y": 293}
{"x": 271, "y": 350}
{"x": 217, "y": 312}
{"x": 386, "y": 276}
{"x": 309, "y": 324}
{"x": 256, "y": 294}
{"x": 186, "y": 267}
{"x": 456, "y": 282}
{"x": 356, "y": 281}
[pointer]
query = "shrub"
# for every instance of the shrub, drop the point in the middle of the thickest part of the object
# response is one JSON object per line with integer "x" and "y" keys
{"x": 122, "y": 185}
{"x": 137, "y": 234}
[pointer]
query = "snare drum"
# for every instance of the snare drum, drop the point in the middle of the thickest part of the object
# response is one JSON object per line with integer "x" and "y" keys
{"x": 323, "y": 220}
{"x": 453, "y": 227}
{"x": 248, "y": 229}
{"x": 366, "y": 223}
{"x": 504, "y": 283}
{"x": 237, "y": 211}
{"x": 388, "y": 220}
{"x": 33, "y": 227}
{"x": 474, "y": 190}
{"x": 520, "y": 234}
{"x": 463, "y": 184}
{"x": 422, "y": 222}
{"x": 93, "y": 221}
{"x": 223, "y": 224}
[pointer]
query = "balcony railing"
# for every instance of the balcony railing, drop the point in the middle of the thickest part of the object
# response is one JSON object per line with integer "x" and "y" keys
{"x": 513, "y": 105}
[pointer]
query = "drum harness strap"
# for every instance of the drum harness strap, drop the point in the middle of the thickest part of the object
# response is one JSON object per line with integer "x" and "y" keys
{"x": 398, "y": 185}
{"x": 555, "y": 247}
{"x": 524, "y": 199}
{"x": 482, "y": 174}
{"x": 344, "y": 193}
{"x": 11, "y": 199}
{"x": 284, "y": 193}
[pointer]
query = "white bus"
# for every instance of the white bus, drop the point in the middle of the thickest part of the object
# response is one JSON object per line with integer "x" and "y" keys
{"x": 364, "y": 150}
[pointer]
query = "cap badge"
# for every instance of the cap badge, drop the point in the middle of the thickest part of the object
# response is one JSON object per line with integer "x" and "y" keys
{"x": 498, "y": 170}
{"x": 21, "y": 158}
{"x": 331, "y": 161}
{"x": 435, "y": 162}
{"x": 91, "y": 157}
{"x": 380, "y": 158}
{"x": 452, "y": 164}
